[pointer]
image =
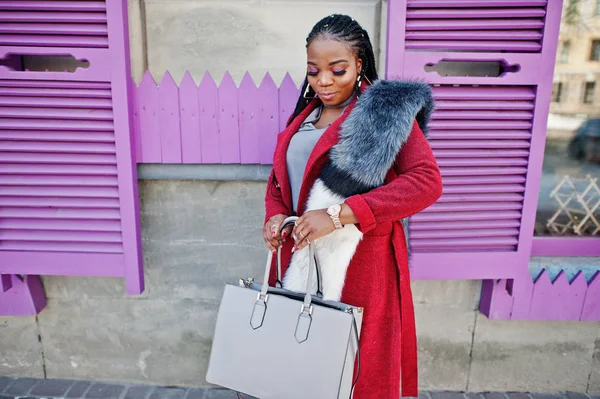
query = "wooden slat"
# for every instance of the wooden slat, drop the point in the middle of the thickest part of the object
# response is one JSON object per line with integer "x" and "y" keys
{"x": 448, "y": 163}
{"x": 54, "y": 91}
{"x": 474, "y": 45}
{"x": 464, "y": 225}
{"x": 53, "y": 29}
{"x": 473, "y": 24}
{"x": 50, "y": 124}
{"x": 73, "y": 180}
{"x": 467, "y": 233}
{"x": 470, "y": 35}
{"x": 62, "y": 236}
{"x": 39, "y": 158}
{"x": 501, "y": 171}
{"x": 46, "y": 5}
{"x": 60, "y": 191}
{"x": 60, "y": 147}
{"x": 474, "y": 3}
{"x": 466, "y": 216}
{"x": 56, "y": 113}
{"x": 475, "y": 13}
{"x": 53, "y": 102}
{"x": 53, "y": 202}
{"x": 63, "y": 213}
{"x": 86, "y": 247}
{"x": 94, "y": 137}
{"x": 52, "y": 16}
{"x": 61, "y": 224}
{"x": 54, "y": 41}
{"x": 101, "y": 87}
{"x": 467, "y": 93}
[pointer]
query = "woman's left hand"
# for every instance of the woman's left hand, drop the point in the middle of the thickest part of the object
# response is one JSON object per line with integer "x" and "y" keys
{"x": 311, "y": 226}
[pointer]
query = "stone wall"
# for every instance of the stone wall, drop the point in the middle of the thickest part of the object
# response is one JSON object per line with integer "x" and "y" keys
{"x": 197, "y": 235}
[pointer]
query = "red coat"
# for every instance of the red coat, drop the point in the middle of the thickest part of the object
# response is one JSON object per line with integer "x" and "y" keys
{"x": 378, "y": 275}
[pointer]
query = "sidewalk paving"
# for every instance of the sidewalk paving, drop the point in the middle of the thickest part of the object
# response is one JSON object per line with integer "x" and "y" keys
{"x": 34, "y": 388}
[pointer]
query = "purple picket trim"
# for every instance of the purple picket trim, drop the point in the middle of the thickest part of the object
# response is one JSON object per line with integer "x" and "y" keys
{"x": 248, "y": 109}
{"x": 496, "y": 301}
{"x": 591, "y": 303}
{"x": 151, "y": 151}
{"x": 229, "y": 144}
{"x": 214, "y": 124}
{"x": 5, "y": 282}
{"x": 268, "y": 119}
{"x": 191, "y": 143}
{"x": 208, "y": 105}
{"x": 288, "y": 96}
{"x": 168, "y": 120}
{"x": 25, "y": 298}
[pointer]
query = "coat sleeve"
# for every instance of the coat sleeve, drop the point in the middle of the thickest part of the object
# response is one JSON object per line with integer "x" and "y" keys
{"x": 418, "y": 185}
{"x": 274, "y": 204}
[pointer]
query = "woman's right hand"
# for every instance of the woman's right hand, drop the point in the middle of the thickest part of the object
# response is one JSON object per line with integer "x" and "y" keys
{"x": 271, "y": 235}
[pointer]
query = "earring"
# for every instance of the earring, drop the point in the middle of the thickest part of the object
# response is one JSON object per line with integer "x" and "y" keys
{"x": 306, "y": 92}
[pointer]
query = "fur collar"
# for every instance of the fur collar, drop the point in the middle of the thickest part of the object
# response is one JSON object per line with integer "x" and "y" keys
{"x": 373, "y": 134}
{"x": 370, "y": 139}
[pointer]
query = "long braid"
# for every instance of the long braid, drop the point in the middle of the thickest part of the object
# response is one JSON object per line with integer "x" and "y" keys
{"x": 346, "y": 30}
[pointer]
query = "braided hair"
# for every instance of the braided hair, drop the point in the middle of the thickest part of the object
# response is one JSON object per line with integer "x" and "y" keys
{"x": 344, "y": 29}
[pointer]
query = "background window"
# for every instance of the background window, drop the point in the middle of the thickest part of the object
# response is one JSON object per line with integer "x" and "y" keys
{"x": 588, "y": 92}
{"x": 557, "y": 92}
{"x": 597, "y": 8}
{"x": 564, "y": 51}
{"x": 595, "y": 53}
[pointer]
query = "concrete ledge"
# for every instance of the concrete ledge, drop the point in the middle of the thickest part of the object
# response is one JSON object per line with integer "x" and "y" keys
{"x": 203, "y": 172}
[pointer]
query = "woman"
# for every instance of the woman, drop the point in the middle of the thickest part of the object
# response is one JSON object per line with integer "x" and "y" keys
{"x": 359, "y": 140}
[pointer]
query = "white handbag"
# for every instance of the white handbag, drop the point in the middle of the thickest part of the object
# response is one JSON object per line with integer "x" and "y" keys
{"x": 272, "y": 343}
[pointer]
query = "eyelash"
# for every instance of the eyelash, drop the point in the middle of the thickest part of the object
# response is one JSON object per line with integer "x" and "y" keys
{"x": 336, "y": 73}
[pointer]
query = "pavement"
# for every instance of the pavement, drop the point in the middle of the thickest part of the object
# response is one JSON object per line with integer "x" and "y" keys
{"x": 33, "y": 388}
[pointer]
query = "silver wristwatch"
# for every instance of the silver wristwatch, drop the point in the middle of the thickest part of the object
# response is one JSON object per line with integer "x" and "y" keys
{"x": 334, "y": 213}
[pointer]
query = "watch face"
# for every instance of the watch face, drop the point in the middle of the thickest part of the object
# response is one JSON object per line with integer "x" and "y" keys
{"x": 334, "y": 209}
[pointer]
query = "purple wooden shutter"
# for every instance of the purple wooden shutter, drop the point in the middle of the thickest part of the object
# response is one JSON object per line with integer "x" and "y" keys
{"x": 68, "y": 185}
{"x": 487, "y": 132}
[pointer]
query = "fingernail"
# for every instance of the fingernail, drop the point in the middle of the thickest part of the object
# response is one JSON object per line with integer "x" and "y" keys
{"x": 284, "y": 234}
{"x": 272, "y": 234}
{"x": 293, "y": 249}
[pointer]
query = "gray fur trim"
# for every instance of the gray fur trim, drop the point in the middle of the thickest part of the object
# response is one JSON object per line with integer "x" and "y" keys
{"x": 378, "y": 126}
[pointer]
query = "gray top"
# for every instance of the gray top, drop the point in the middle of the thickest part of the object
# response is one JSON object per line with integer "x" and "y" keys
{"x": 301, "y": 145}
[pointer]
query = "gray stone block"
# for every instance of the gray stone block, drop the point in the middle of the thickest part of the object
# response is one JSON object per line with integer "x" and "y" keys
{"x": 130, "y": 341}
{"x": 594, "y": 381}
{"x": 21, "y": 386}
{"x": 446, "y": 395}
{"x": 138, "y": 392}
{"x": 51, "y": 388}
{"x": 473, "y": 395}
{"x": 531, "y": 356}
{"x": 168, "y": 393}
{"x": 5, "y": 382}
{"x": 220, "y": 394}
{"x": 517, "y": 395}
{"x": 444, "y": 338}
{"x": 20, "y": 349}
{"x": 199, "y": 235}
{"x": 105, "y": 391}
{"x": 541, "y": 395}
{"x": 494, "y": 395}
{"x": 461, "y": 294}
{"x": 190, "y": 37}
{"x": 78, "y": 389}
{"x": 196, "y": 393}
{"x": 576, "y": 395}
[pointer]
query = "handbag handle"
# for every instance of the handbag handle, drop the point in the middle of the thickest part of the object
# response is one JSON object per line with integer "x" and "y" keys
{"x": 311, "y": 267}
